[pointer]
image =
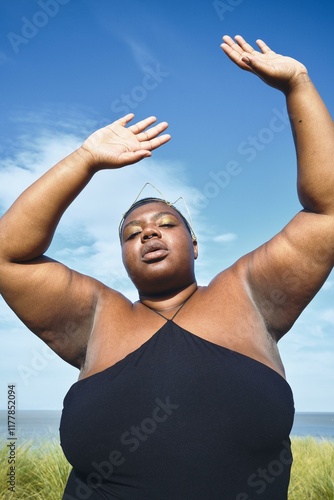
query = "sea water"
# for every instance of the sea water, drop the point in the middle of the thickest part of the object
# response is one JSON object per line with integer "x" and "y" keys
{"x": 32, "y": 425}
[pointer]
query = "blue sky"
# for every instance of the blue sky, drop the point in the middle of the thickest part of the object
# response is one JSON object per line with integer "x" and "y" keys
{"x": 71, "y": 66}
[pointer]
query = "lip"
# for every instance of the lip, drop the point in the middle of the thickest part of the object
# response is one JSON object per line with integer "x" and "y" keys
{"x": 154, "y": 250}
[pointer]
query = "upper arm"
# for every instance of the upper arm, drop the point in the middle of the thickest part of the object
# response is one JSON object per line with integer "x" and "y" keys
{"x": 54, "y": 302}
{"x": 285, "y": 273}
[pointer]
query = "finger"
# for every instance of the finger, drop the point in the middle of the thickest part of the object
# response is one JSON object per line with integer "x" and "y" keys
{"x": 234, "y": 52}
{"x": 152, "y": 132}
{"x": 134, "y": 156}
{"x": 246, "y": 47}
{"x": 156, "y": 142}
{"x": 131, "y": 157}
{"x": 142, "y": 125}
{"x": 125, "y": 119}
{"x": 263, "y": 46}
{"x": 228, "y": 40}
{"x": 229, "y": 46}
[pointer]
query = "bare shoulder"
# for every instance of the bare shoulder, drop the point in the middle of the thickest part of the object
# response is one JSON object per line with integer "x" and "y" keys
{"x": 230, "y": 299}
{"x": 113, "y": 335}
{"x": 112, "y": 303}
{"x": 231, "y": 280}
{"x": 91, "y": 304}
{"x": 226, "y": 314}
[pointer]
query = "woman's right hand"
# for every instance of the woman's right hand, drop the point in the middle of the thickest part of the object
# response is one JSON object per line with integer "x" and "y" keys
{"x": 115, "y": 146}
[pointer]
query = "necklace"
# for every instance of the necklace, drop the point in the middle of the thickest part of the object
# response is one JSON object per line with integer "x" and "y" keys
{"x": 178, "y": 310}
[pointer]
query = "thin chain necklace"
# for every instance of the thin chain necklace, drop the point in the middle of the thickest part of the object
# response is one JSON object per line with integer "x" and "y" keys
{"x": 178, "y": 310}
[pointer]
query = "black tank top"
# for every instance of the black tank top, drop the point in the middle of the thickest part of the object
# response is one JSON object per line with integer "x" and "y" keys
{"x": 180, "y": 418}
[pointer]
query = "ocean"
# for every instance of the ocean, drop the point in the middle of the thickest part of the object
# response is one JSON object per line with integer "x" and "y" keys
{"x": 38, "y": 425}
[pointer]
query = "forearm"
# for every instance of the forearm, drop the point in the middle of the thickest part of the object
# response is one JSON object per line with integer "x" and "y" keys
{"x": 313, "y": 132}
{"x": 27, "y": 228}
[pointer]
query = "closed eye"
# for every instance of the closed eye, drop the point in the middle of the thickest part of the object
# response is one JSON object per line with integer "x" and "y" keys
{"x": 133, "y": 235}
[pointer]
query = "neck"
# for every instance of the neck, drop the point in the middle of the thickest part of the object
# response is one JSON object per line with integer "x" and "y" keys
{"x": 172, "y": 300}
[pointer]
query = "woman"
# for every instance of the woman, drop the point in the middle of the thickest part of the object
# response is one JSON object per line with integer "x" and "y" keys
{"x": 181, "y": 395}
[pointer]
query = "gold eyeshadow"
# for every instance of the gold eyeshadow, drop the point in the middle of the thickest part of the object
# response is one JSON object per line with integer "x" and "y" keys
{"x": 128, "y": 231}
{"x": 160, "y": 221}
{"x": 167, "y": 219}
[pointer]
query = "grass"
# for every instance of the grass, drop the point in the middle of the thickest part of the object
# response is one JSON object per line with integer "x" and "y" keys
{"x": 41, "y": 471}
{"x": 312, "y": 476}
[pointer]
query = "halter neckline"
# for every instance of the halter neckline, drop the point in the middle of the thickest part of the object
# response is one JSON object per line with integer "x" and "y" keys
{"x": 178, "y": 310}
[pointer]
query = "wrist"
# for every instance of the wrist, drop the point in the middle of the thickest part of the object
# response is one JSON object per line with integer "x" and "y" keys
{"x": 298, "y": 81}
{"x": 87, "y": 158}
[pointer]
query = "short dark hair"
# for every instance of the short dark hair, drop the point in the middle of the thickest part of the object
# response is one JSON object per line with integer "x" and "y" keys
{"x": 145, "y": 201}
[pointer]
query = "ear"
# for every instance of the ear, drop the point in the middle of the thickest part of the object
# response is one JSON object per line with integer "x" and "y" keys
{"x": 195, "y": 245}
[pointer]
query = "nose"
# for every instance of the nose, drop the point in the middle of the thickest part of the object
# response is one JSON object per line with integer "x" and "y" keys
{"x": 150, "y": 231}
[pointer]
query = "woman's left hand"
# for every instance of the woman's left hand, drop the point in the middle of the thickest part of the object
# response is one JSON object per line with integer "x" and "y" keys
{"x": 278, "y": 71}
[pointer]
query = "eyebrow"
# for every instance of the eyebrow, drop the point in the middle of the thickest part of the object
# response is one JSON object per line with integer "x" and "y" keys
{"x": 155, "y": 217}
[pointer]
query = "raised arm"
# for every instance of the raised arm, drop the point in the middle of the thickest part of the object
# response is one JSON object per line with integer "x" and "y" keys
{"x": 55, "y": 302}
{"x": 286, "y": 273}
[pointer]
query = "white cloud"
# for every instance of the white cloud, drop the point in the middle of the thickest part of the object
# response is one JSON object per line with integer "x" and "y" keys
{"x": 307, "y": 352}
{"x": 87, "y": 236}
{"x": 311, "y": 377}
{"x": 86, "y": 239}
{"x": 327, "y": 315}
{"x": 328, "y": 285}
{"x": 225, "y": 238}
{"x": 99, "y": 208}
{"x": 140, "y": 52}
{"x": 59, "y": 117}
